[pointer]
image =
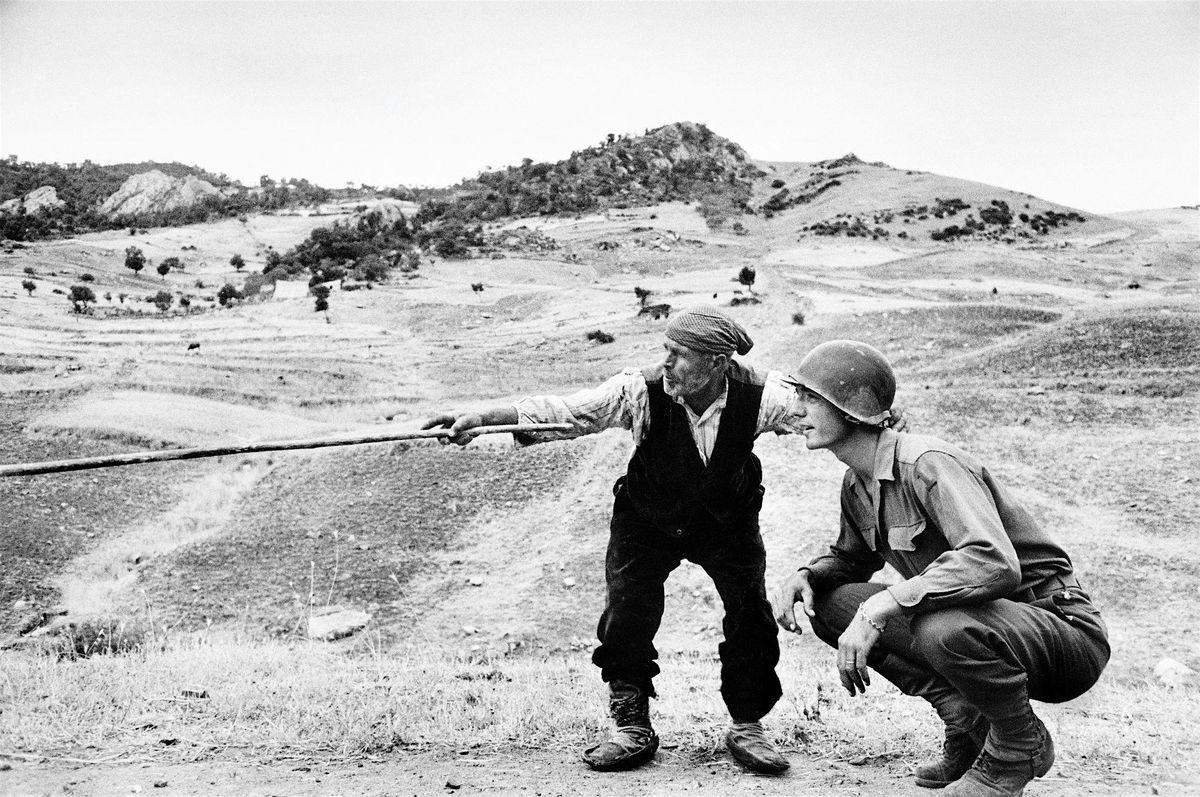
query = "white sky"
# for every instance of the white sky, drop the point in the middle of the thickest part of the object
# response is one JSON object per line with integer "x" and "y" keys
{"x": 1092, "y": 104}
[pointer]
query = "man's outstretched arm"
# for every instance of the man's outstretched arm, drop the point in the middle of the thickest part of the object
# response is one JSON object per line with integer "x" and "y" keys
{"x": 459, "y": 423}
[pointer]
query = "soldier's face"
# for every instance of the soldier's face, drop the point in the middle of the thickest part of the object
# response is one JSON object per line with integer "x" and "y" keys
{"x": 821, "y": 423}
{"x": 687, "y": 372}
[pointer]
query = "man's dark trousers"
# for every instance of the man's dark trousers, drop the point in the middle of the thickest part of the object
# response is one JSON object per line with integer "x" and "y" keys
{"x": 1053, "y": 647}
{"x": 640, "y": 557}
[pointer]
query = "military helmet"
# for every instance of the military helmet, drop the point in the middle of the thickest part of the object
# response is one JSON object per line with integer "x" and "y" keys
{"x": 852, "y": 376}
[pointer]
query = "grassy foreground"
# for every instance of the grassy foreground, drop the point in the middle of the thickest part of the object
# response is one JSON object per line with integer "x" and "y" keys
{"x": 199, "y": 698}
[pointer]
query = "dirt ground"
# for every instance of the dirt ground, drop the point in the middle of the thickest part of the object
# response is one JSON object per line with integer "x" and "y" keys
{"x": 529, "y": 772}
{"x": 1043, "y": 359}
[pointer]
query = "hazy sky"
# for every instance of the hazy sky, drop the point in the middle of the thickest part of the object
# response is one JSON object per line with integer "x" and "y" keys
{"x": 1092, "y": 104}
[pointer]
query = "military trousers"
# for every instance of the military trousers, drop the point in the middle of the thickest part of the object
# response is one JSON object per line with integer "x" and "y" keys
{"x": 1051, "y": 648}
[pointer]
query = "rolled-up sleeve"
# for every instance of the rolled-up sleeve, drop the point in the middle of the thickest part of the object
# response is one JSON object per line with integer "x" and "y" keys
{"x": 981, "y": 563}
{"x": 779, "y": 409}
{"x": 620, "y": 402}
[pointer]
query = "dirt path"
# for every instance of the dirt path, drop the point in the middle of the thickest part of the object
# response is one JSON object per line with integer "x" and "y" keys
{"x": 546, "y": 773}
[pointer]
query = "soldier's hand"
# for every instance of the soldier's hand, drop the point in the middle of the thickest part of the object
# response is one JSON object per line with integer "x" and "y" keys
{"x": 783, "y": 602}
{"x": 898, "y": 421}
{"x": 458, "y": 426}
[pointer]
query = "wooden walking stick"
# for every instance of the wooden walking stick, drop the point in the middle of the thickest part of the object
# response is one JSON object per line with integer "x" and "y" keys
{"x": 358, "y": 438}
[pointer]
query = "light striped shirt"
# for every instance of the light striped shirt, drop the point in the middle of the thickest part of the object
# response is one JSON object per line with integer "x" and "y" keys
{"x": 623, "y": 402}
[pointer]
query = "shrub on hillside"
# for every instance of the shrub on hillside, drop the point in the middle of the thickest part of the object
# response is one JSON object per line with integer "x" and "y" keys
{"x": 228, "y": 294}
{"x": 135, "y": 259}
{"x": 600, "y": 336}
{"x": 81, "y": 298}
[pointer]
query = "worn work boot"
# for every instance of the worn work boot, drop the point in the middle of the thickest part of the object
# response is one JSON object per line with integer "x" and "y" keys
{"x": 634, "y": 742}
{"x": 997, "y": 777}
{"x": 964, "y": 742}
{"x": 752, "y": 749}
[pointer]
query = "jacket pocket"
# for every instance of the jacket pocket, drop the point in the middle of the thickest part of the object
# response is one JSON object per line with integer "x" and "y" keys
{"x": 903, "y": 537}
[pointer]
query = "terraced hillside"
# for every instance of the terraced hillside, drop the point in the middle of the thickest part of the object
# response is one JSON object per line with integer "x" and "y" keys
{"x": 1068, "y": 361}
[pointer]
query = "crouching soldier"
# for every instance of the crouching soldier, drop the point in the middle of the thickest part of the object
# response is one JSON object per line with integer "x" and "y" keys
{"x": 989, "y": 614}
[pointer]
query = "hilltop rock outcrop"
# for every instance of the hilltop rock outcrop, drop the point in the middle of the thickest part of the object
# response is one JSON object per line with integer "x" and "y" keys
{"x": 155, "y": 192}
{"x": 43, "y": 198}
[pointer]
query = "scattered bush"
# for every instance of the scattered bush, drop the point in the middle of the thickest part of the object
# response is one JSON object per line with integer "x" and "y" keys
{"x": 321, "y": 303}
{"x": 228, "y": 294}
{"x": 81, "y": 298}
{"x": 642, "y": 295}
{"x": 746, "y": 277}
{"x": 135, "y": 260}
{"x": 238, "y": 262}
{"x": 86, "y": 278}
{"x": 738, "y": 301}
{"x": 30, "y": 271}
{"x": 163, "y": 301}
{"x": 777, "y": 183}
{"x": 798, "y": 318}
{"x": 29, "y": 285}
{"x": 600, "y": 336}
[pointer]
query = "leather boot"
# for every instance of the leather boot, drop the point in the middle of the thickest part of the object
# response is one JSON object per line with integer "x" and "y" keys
{"x": 1018, "y": 749}
{"x": 966, "y": 727}
{"x": 966, "y": 730}
{"x": 749, "y": 745}
{"x": 634, "y": 742}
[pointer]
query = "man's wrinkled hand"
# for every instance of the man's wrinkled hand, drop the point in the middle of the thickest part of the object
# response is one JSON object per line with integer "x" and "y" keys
{"x": 458, "y": 426}
{"x": 783, "y": 602}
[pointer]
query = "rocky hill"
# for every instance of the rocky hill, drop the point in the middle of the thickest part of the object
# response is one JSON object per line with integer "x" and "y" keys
{"x": 155, "y": 192}
{"x": 36, "y": 201}
{"x": 683, "y": 161}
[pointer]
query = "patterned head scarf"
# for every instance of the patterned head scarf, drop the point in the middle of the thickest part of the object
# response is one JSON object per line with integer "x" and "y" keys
{"x": 705, "y": 328}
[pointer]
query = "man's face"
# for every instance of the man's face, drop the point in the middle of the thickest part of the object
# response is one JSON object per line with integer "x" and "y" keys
{"x": 821, "y": 423}
{"x": 688, "y": 372}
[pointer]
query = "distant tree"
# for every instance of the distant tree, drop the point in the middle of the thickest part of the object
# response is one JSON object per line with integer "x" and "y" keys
{"x": 185, "y": 302}
{"x": 163, "y": 300}
{"x": 172, "y": 263}
{"x": 30, "y": 270}
{"x": 746, "y": 277}
{"x": 163, "y": 269}
{"x": 87, "y": 278}
{"x": 237, "y": 262}
{"x": 228, "y": 294}
{"x": 80, "y": 297}
{"x": 642, "y": 295}
{"x": 135, "y": 260}
{"x": 477, "y": 287}
{"x": 321, "y": 305}
{"x": 29, "y": 285}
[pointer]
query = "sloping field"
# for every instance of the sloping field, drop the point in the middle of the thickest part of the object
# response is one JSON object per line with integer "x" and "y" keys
{"x": 482, "y": 568}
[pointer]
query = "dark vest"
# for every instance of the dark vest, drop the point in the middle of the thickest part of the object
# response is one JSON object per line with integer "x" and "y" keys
{"x": 668, "y": 483}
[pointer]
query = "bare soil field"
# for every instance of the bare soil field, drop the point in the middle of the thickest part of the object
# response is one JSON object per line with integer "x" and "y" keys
{"x": 482, "y": 568}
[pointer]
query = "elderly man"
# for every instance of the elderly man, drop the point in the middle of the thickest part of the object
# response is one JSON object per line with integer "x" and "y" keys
{"x": 693, "y": 490}
{"x": 989, "y": 613}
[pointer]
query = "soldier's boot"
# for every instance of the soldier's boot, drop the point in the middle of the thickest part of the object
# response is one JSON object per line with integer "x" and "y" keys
{"x": 966, "y": 727}
{"x": 634, "y": 741}
{"x": 750, "y": 747}
{"x": 966, "y": 730}
{"x": 1017, "y": 750}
